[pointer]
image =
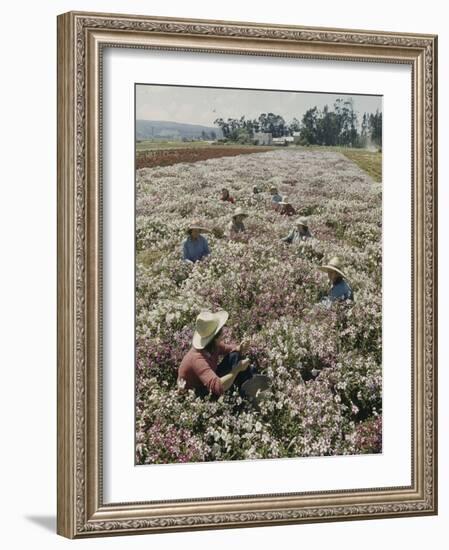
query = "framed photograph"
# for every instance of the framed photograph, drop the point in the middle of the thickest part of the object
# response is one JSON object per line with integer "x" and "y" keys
{"x": 247, "y": 274}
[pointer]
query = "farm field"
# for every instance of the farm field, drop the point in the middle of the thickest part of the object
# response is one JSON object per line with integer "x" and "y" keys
{"x": 155, "y": 144}
{"x": 166, "y": 153}
{"x": 325, "y": 364}
{"x": 368, "y": 160}
{"x": 167, "y": 157}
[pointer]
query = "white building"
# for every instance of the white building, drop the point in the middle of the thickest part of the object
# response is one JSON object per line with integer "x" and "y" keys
{"x": 280, "y": 141}
{"x": 263, "y": 138}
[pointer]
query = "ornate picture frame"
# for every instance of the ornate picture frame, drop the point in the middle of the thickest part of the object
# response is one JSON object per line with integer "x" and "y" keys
{"x": 82, "y": 39}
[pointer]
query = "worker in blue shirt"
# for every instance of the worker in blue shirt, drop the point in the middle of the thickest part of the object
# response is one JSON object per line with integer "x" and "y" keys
{"x": 340, "y": 289}
{"x": 275, "y": 197}
{"x": 299, "y": 233}
{"x": 195, "y": 247}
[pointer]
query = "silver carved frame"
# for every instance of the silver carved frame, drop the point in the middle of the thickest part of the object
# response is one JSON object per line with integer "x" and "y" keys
{"x": 81, "y": 39}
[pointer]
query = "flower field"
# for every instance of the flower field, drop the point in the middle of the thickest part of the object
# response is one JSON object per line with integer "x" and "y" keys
{"x": 325, "y": 363}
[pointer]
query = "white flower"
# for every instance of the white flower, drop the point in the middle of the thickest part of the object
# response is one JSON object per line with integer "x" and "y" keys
{"x": 181, "y": 383}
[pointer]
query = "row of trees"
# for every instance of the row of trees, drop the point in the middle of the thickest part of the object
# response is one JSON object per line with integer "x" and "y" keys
{"x": 337, "y": 126}
{"x": 208, "y": 135}
{"x": 240, "y": 129}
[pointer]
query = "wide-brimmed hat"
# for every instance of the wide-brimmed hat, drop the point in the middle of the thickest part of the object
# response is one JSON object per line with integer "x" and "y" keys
{"x": 196, "y": 225}
{"x": 273, "y": 188}
{"x": 302, "y": 221}
{"x": 335, "y": 265}
{"x": 207, "y": 326}
{"x": 239, "y": 212}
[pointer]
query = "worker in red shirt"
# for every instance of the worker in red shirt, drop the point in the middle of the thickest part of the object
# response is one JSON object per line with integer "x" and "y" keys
{"x": 200, "y": 370}
{"x": 225, "y": 196}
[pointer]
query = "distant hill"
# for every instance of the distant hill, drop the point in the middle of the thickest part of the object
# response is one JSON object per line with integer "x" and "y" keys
{"x": 163, "y": 129}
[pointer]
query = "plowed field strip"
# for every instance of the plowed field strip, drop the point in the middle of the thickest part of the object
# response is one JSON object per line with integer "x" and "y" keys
{"x": 167, "y": 157}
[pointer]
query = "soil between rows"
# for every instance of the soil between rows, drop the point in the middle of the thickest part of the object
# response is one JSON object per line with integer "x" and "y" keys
{"x": 168, "y": 157}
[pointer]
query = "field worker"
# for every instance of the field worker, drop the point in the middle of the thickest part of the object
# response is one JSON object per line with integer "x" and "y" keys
{"x": 225, "y": 196}
{"x": 340, "y": 289}
{"x": 200, "y": 369}
{"x": 275, "y": 197}
{"x": 300, "y": 232}
{"x": 236, "y": 225}
{"x": 286, "y": 209}
{"x": 195, "y": 247}
{"x": 257, "y": 197}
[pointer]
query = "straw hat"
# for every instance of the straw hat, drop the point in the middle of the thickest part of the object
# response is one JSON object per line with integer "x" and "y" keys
{"x": 302, "y": 221}
{"x": 196, "y": 225}
{"x": 207, "y": 326}
{"x": 239, "y": 212}
{"x": 333, "y": 265}
{"x": 274, "y": 189}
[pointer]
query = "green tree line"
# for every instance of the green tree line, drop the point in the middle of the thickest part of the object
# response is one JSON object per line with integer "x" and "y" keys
{"x": 338, "y": 126}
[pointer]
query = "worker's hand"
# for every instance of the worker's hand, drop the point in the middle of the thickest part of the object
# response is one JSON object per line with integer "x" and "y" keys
{"x": 243, "y": 346}
{"x": 242, "y": 365}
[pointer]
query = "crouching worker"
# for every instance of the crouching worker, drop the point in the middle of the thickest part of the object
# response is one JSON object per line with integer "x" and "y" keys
{"x": 300, "y": 232}
{"x": 275, "y": 197}
{"x": 195, "y": 247}
{"x": 226, "y": 197}
{"x": 236, "y": 225}
{"x": 340, "y": 289}
{"x": 200, "y": 368}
